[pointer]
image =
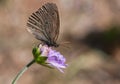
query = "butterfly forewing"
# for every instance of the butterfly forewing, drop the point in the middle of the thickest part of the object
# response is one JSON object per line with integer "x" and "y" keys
{"x": 44, "y": 24}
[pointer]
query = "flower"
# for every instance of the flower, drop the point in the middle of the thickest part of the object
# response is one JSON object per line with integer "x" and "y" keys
{"x": 54, "y": 58}
{"x": 44, "y": 50}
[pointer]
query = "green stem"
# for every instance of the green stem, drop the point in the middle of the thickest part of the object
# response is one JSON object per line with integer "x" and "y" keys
{"x": 22, "y": 71}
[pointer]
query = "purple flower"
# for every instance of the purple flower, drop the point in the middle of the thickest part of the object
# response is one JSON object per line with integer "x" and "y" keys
{"x": 55, "y": 59}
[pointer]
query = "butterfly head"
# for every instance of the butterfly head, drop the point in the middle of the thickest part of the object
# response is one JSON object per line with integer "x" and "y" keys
{"x": 53, "y": 44}
{"x": 56, "y": 45}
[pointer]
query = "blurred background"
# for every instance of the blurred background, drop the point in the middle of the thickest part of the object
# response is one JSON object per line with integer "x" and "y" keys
{"x": 92, "y": 28}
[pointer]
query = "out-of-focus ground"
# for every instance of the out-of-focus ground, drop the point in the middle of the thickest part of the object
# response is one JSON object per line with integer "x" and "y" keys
{"x": 91, "y": 26}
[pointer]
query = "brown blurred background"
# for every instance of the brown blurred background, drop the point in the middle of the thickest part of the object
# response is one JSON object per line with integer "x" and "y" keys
{"x": 91, "y": 26}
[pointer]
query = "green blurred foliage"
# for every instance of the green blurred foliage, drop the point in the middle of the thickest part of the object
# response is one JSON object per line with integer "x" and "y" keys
{"x": 106, "y": 40}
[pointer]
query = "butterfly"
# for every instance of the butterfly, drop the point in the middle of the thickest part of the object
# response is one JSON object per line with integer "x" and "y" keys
{"x": 44, "y": 24}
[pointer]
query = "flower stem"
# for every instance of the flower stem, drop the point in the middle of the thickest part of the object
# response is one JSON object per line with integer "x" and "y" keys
{"x": 22, "y": 71}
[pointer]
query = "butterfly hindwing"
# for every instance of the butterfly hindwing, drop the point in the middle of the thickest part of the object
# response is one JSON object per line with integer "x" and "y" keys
{"x": 44, "y": 23}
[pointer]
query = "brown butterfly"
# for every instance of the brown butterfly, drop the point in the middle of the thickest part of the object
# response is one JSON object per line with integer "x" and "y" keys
{"x": 44, "y": 24}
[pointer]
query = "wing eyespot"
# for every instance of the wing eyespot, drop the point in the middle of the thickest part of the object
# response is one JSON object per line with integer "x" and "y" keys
{"x": 53, "y": 13}
{"x": 46, "y": 22}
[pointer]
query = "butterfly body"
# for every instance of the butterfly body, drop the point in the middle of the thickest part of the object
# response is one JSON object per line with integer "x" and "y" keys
{"x": 44, "y": 24}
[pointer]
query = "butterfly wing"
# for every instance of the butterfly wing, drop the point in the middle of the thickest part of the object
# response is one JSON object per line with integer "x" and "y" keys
{"x": 44, "y": 23}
